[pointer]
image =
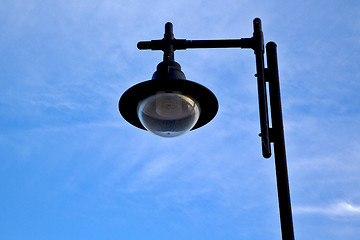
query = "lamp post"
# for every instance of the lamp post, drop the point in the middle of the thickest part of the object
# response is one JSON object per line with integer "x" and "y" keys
{"x": 169, "y": 105}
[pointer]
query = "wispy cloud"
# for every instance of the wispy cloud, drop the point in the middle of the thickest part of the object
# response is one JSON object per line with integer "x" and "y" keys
{"x": 340, "y": 209}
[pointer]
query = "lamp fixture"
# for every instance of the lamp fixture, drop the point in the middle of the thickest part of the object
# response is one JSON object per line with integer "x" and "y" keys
{"x": 168, "y": 105}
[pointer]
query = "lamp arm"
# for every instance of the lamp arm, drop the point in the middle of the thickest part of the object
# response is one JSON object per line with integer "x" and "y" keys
{"x": 183, "y": 44}
{"x": 258, "y": 48}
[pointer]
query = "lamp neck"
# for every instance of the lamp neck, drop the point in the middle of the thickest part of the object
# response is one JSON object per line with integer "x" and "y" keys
{"x": 168, "y": 70}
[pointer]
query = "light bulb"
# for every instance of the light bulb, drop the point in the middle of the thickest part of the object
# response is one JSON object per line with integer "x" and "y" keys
{"x": 168, "y": 114}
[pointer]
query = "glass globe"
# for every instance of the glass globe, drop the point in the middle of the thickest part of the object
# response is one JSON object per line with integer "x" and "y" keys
{"x": 168, "y": 114}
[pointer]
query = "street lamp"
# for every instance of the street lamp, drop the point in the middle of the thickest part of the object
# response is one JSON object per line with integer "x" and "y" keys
{"x": 168, "y": 105}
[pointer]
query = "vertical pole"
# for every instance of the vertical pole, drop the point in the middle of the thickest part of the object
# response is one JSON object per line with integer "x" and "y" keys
{"x": 277, "y": 137}
{"x": 260, "y": 74}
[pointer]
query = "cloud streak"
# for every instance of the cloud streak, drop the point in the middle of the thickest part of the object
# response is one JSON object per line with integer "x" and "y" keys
{"x": 340, "y": 209}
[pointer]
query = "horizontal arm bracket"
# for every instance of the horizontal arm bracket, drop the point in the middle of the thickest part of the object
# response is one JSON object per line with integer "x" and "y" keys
{"x": 182, "y": 44}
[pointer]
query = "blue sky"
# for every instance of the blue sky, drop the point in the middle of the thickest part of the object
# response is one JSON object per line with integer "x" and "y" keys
{"x": 72, "y": 168}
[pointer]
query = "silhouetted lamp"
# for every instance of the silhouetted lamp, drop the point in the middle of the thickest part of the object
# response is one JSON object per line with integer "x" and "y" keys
{"x": 168, "y": 105}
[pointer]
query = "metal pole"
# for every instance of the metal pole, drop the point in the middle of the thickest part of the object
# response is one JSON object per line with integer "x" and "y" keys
{"x": 277, "y": 136}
